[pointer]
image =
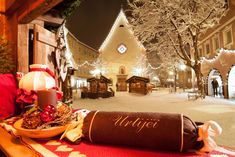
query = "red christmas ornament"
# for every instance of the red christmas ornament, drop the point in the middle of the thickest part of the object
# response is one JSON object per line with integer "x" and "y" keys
{"x": 46, "y": 116}
{"x": 50, "y": 108}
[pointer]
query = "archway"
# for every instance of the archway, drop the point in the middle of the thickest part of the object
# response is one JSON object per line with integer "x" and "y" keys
{"x": 231, "y": 83}
{"x": 215, "y": 74}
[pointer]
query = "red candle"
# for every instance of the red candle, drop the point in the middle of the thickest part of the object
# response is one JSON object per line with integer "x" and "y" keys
{"x": 46, "y": 97}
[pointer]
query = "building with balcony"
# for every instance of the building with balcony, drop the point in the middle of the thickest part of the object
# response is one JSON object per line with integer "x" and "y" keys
{"x": 217, "y": 49}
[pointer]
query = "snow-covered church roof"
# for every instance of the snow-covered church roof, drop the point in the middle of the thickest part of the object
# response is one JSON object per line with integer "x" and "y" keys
{"x": 92, "y": 23}
{"x": 121, "y": 21}
{"x": 93, "y": 19}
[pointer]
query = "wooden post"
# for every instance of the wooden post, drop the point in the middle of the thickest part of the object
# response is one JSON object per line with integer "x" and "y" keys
{"x": 23, "y": 48}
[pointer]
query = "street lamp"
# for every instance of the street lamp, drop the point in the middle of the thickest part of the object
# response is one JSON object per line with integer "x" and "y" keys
{"x": 95, "y": 72}
{"x": 183, "y": 67}
{"x": 138, "y": 71}
{"x": 171, "y": 73}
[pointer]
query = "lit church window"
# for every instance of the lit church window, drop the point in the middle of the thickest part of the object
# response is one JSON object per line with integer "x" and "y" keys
{"x": 122, "y": 48}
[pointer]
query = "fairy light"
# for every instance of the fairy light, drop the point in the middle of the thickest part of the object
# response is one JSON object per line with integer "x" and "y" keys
{"x": 86, "y": 63}
{"x": 155, "y": 68}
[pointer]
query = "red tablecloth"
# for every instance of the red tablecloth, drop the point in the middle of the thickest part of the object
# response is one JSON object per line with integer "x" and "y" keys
{"x": 94, "y": 150}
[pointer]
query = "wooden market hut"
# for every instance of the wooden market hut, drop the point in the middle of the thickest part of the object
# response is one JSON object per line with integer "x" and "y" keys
{"x": 138, "y": 84}
{"x": 98, "y": 88}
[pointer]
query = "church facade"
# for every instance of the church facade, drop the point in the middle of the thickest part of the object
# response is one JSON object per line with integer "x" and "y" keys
{"x": 115, "y": 53}
{"x": 122, "y": 54}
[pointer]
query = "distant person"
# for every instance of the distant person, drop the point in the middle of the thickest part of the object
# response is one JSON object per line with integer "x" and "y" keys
{"x": 215, "y": 86}
{"x": 171, "y": 87}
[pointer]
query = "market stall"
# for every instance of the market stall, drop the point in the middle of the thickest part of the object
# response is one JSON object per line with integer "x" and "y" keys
{"x": 98, "y": 87}
{"x": 138, "y": 84}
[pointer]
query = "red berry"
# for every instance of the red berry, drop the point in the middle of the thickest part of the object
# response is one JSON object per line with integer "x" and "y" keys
{"x": 46, "y": 116}
{"x": 50, "y": 108}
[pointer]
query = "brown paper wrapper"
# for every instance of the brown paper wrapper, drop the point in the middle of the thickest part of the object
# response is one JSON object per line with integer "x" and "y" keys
{"x": 160, "y": 131}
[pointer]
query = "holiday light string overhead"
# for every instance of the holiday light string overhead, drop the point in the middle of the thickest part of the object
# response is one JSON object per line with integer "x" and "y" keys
{"x": 86, "y": 63}
{"x": 94, "y": 64}
{"x": 218, "y": 55}
{"x": 154, "y": 68}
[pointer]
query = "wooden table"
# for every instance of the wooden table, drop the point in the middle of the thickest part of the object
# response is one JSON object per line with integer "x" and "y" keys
{"x": 13, "y": 147}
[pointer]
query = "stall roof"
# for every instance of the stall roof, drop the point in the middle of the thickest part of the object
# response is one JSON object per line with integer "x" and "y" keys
{"x": 133, "y": 78}
{"x": 101, "y": 79}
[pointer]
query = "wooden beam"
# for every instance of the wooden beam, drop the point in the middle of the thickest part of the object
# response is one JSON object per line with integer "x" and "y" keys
{"x": 34, "y": 8}
{"x": 5, "y": 4}
{"x": 13, "y": 6}
{"x": 50, "y": 19}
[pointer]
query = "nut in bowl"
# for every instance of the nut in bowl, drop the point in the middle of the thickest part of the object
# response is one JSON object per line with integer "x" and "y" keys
{"x": 38, "y": 133}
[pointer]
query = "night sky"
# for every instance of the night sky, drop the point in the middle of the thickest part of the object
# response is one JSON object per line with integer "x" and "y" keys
{"x": 93, "y": 19}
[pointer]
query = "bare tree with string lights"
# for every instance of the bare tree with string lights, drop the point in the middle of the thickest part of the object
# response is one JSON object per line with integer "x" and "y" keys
{"x": 172, "y": 28}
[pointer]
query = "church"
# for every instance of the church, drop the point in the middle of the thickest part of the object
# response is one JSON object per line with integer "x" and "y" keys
{"x": 121, "y": 53}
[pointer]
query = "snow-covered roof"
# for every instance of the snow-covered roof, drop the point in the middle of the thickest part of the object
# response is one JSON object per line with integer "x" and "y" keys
{"x": 121, "y": 18}
{"x": 93, "y": 19}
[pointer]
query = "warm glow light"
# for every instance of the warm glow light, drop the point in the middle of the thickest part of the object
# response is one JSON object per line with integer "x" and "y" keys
{"x": 183, "y": 67}
{"x": 73, "y": 81}
{"x": 171, "y": 73}
{"x": 138, "y": 71}
{"x": 170, "y": 80}
{"x": 68, "y": 55}
{"x": 122, "y": 49}
{"x": 97, "y": 72}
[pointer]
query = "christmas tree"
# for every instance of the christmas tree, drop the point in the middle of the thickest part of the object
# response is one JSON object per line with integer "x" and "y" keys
{"x": 6, "y": 59}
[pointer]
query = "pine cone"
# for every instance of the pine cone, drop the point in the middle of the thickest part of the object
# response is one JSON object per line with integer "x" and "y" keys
{"x": 32, "y": 120}
{"x": 62, "y": 110}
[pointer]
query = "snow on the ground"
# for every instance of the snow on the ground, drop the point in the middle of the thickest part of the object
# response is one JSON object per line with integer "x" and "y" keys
{"x": 211, "y": 108}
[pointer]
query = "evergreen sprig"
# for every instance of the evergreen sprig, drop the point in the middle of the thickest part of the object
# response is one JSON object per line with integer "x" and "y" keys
{"x": 6, "y": 59}
{"x": 67, "y": 7}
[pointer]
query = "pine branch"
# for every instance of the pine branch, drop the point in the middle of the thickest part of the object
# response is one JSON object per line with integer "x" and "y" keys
{"x": 6, "y": 58}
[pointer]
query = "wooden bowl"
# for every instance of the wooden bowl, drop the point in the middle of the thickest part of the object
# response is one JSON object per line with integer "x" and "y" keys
{"x": 36, "y": 133}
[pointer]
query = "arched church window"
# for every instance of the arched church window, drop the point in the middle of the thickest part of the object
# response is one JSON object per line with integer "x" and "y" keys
{"x": 122, "y": 70}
